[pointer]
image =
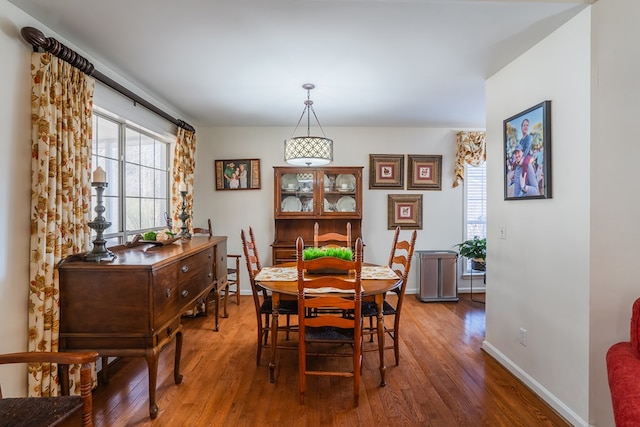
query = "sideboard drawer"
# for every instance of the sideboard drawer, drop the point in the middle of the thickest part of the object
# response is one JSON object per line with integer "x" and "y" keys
{"x": 221, "y": 259}
{"x": 195, "y": 274}
{"x": 168, "y": 331}
{"x": 166, "y": 299}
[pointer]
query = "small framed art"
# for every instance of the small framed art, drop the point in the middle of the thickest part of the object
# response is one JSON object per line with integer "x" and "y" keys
{"x": 404, "y": 210}
{"x": 386, "y": 171}
{"x": 527, "y": 154}
{"x": 424, "y": 172}
{"x": 237, "y": 174}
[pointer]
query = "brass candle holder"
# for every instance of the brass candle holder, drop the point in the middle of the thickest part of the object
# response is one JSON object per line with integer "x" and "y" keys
{"x": 184, "y": 232}
{"x": 99, "y": 224}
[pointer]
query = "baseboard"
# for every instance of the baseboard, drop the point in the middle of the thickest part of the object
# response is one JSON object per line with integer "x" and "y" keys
{"x": 536, "y": 387}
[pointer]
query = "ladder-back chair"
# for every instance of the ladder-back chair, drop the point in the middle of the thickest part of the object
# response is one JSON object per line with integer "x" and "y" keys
{"x": 331, "y": 298}
{"x": 261, "y": 299}
{"x": 399, "y": 261}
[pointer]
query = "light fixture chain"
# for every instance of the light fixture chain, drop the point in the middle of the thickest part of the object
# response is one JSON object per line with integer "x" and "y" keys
{"x": 317, "y": 121}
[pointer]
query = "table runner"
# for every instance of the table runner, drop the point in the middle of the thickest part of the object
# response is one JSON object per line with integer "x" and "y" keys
{"x": 290, "y": 274}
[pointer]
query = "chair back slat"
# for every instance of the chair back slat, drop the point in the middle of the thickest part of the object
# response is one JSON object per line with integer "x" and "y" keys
{"x": 331, "y": 238}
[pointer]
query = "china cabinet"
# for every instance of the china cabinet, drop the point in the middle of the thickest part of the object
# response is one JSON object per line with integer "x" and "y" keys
{"x": 330, "y": 196}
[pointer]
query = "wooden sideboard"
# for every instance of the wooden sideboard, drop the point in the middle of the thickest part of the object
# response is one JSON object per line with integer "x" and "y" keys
{"x": 132, "y": 306}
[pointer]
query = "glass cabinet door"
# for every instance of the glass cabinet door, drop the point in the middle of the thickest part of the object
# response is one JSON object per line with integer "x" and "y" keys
{"x": 297, "y": 193}
{"x": 339, "y": 193}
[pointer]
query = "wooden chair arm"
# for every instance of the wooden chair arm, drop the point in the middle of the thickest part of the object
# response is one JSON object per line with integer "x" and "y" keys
{"x": 65, "y": 358}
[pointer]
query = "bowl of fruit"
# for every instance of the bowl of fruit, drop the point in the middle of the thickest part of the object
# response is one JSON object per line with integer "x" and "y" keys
{"x": 159, "y": 238}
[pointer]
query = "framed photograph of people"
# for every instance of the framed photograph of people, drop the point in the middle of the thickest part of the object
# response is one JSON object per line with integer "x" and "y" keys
{"x": 386, "y": 171}
{"x": 404, "y": 210}
{"x": 527, "y": 154}
{"x": 424, "y": 172}
{"x": 237, "y": 174}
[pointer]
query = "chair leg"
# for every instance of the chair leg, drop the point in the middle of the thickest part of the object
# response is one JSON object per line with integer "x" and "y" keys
{"x": 357, "y": 365}
{"x": 288, "y": 325}
{"x": 260, "y": 333}
{"x": 238, "y": 286}
{"x": 370, "y": 328}
{"x": 396, "y": 344}
{"x": 302, "y": 368}
{"x": 267, "y": 328}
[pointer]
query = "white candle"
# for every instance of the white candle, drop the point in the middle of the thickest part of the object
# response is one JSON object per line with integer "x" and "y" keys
{"x": 182, "y": 187}
{"x": 99, "y": 175}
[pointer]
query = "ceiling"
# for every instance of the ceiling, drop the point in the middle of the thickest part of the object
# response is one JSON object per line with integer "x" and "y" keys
{"x": 415, "y": 63}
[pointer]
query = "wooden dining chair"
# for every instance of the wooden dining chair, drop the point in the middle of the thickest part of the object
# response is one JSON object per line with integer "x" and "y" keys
{"x": 400, "y": 262}
{"x": 262, "y": 300}
{"x": 32, "y": 411}
{"x": 331, "y": 296}
{"x": 332, "y": 238}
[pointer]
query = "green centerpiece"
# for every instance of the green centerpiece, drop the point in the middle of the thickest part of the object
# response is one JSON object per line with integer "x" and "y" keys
{"x": 333, "y": 252}
{"x": 313, "y": 253}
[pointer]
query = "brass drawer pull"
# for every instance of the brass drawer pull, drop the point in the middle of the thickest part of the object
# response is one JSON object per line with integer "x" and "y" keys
{"x": 168, "y": 292}
{"x": 185, "y": 268}
{"x": 210, "y": 275}
{"x": 185, "y": 293}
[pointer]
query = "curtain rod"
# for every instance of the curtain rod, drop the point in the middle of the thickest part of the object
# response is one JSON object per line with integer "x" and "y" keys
{"x": 37, "y": 39}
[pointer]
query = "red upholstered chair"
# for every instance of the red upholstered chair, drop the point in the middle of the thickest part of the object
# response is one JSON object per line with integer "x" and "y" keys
{"x": 623, "y": 369}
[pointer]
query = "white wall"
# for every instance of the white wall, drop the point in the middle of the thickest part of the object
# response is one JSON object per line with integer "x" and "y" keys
{"x": 539, "y": 276}
{"x": 615, "y": 209}
{"x": 232, "y": 211}
{"x": 15, "y": 190}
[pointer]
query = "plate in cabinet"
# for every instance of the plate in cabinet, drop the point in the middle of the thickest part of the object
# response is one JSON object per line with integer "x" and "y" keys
{"x": 345, "y": 182}
{"x": 291, "y": 204}
{"x": 346, "y": 204}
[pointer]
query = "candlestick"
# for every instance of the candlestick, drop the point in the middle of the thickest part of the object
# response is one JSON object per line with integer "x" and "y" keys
{"x": 99, "y": 251}
{"x": 184, "y": 232}
{"x": 99, "y": 175}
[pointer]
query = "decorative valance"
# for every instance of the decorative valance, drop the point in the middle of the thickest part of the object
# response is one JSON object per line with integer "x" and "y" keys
{"x": 471, "y": 149}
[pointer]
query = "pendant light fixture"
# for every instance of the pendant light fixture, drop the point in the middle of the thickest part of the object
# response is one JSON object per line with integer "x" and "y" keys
{"x": 308, "y": 150}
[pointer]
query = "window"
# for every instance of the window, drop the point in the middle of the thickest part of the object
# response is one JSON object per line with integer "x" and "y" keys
{"x": 475, "y": 206}
{"x": 137, "y": 163}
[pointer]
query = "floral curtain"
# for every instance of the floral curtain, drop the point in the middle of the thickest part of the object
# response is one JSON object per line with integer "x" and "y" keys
{"x": 472, "y": 150}
{"x": 184, "y": 164}
{"x": 61, "y": 107}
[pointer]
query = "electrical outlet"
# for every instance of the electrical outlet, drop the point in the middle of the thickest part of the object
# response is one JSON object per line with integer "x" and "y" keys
{"x": 503, "y": 231}
{"x": 523, "y": 337}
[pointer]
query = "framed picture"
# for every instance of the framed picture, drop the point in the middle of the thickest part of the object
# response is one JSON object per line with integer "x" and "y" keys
{"x": 404, "y": 210}
{"x": 386, "y": 171}
{"x": 237, "y": 174}
{"x": 527, "y": 154}
{"x": 424, "y": 172}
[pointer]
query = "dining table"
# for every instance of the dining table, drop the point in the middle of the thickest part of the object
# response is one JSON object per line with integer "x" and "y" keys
{"x": 282, "y": 281}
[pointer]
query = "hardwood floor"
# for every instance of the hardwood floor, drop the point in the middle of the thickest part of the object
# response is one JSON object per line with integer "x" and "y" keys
{"x": 444, "y": 379}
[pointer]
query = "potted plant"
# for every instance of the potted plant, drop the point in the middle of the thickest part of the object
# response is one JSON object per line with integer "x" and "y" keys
{"x": 476, "y": 250}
